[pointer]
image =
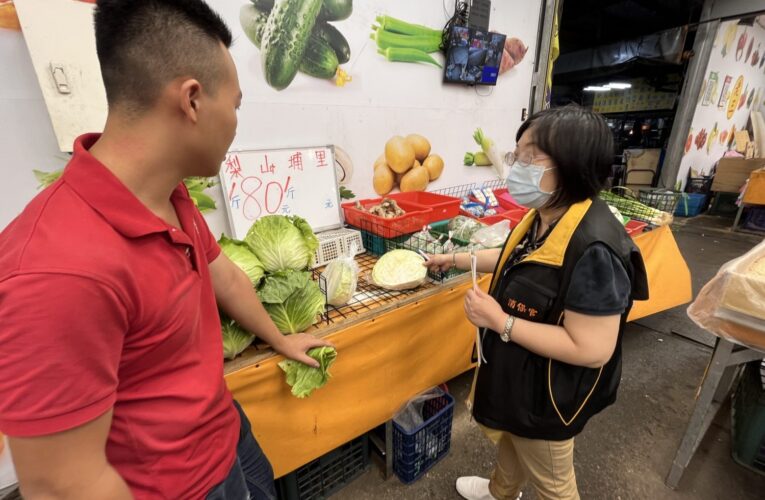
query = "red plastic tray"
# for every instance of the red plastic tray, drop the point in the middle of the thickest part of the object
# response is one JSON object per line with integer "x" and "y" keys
{"x": 514, "y": 216}
{"x": 444, "y": 207}
{"x": 415, "y": 218}
{"x": 507, "y": 201}
{"x": 634, "y": 227}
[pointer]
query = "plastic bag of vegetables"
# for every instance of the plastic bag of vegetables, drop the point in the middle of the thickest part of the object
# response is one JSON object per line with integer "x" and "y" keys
{"x": 463, "y": 228}
{"x": 424, "y": 241}
{"x": 399, "y": 270}
{"x": 342, "y": 276}
{"x": 492, "y": 236}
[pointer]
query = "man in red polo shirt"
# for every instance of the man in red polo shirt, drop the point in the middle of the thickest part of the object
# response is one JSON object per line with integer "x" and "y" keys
{"x": 111, "y": 371}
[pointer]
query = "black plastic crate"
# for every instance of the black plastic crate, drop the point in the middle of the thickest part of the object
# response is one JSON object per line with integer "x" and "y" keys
{"x": 724, "y": 204}
{"x": 417, "y": 451}
{"x": 699, "y": 185}
{"x": 327, "y": 474}
{"x": 660, "y": 199}
{"x": 748, "y": 420}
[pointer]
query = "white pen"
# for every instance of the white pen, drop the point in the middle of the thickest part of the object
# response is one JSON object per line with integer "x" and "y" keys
{"x": 424, "y": 255}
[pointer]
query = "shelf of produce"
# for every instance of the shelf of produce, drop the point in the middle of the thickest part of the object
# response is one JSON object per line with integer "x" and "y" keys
{"x": 368, "y": 302}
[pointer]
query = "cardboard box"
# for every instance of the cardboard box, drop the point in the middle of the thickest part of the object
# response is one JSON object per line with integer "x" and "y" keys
{"x": 732, "y": 173}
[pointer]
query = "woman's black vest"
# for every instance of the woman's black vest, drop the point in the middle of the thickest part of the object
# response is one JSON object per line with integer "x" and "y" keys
{"x": 529, "y": 395}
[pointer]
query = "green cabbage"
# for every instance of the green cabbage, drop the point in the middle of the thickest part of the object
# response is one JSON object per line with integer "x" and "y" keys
{"x": 303, "y": 378}
{"x": 292, "y": 299}
{"x": 235, "y": 338}
{"x": 241, "y": 255}
{"x": 282, "y": 243}
{"x": 399, "y": 270}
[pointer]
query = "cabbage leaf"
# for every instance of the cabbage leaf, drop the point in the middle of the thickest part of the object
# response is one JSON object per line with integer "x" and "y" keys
{"x": 305, "y": 379}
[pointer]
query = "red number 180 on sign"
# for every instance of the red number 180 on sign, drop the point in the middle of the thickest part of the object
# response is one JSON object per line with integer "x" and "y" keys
{"x": 253, "y": 196}
{"x": 260, "y": 198}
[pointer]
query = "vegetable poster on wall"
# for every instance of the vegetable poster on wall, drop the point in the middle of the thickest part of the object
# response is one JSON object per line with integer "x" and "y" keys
{"x": 349, "y": 73}
{"x": 734, "y": 89}
{"x": 368, "y": 77}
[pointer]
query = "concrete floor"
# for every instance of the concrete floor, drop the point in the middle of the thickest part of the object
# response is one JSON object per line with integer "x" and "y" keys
{"x": 626, "y": 451}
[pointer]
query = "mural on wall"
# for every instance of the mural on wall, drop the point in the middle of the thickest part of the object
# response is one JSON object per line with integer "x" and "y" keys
{"x": 733, "y": 89}
{"x": 357, "y": 75}
{"x": 370, "y": 78}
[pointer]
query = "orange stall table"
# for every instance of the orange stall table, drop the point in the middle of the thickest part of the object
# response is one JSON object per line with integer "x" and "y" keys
{"x": 391, "y": 352}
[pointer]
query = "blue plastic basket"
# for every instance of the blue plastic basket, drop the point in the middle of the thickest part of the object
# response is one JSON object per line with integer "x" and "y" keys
{"x": 416, "y": 451}
{"x": 692, "y": 204}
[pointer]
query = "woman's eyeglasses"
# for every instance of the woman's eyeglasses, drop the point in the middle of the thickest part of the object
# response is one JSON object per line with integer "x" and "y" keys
{"x": 524, "y": 161}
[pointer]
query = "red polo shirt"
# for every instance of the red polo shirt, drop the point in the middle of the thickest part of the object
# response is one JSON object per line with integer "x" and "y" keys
{"x": 104, "y": 305}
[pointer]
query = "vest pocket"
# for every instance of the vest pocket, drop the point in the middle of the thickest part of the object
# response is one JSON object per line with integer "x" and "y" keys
{"x": 526, "y": 299}
{"x": 570, "y": 389}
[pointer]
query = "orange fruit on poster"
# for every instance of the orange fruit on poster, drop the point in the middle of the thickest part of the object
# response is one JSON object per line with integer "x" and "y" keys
{"x": 735, "y": 96}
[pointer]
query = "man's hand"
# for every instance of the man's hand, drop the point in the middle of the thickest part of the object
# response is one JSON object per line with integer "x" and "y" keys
{"x": 295, "y": 347}
{"x": 483, "y": 311}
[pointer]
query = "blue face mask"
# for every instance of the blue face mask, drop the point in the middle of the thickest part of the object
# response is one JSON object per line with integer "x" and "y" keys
{"x": 523, "y": 185}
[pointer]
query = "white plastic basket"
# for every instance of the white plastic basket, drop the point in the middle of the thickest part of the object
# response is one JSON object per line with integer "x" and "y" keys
{"x": 333, "y": 244}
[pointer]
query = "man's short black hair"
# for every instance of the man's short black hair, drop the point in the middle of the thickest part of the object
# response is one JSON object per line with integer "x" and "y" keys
{"x": 144, "y": 44}
{"x": 580, "y": 144}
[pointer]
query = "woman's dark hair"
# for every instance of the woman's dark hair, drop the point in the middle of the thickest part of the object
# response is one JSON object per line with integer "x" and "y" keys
{"x": 580, "y": 144}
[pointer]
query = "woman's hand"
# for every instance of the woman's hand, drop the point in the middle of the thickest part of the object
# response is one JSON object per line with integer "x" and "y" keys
{"x": 439, "y": 263}
{"x": 483, "y": 311}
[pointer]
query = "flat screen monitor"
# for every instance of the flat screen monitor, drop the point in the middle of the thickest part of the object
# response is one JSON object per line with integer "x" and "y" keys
{"x": 473, "y": 56}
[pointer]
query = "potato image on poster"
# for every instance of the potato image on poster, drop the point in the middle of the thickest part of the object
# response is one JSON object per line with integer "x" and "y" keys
{"x": 406, "y": 164}
{"x": 399, "y": 154}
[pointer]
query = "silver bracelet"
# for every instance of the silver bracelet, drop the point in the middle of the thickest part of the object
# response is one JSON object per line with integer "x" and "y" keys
{"x": 508, "y": 330}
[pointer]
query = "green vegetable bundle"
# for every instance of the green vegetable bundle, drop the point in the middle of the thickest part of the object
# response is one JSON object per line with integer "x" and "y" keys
{"x": 305, "y": 379}
{"x": 400, "y": 41}
{"x": 636, "y": 210}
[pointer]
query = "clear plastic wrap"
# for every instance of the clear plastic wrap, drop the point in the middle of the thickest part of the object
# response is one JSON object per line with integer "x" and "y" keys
{"x": 410, "y": 416}
{"x": 492, "y": 236}
{"x": 732, "y": 304}
{"x": 342, "y": 276}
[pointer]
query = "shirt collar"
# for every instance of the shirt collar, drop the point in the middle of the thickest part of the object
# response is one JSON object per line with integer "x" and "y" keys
{"x": 107, "y": 195}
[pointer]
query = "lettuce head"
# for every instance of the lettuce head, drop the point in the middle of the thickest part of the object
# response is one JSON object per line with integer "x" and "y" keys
{"x": 241, "y": 255}
{"x": 292, "y": 299}
{"x": 235, "y": 338}
{"x": 282, "y": 243}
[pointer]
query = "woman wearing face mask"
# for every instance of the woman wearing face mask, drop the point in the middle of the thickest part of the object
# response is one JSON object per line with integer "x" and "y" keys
{"x": 551, "y": 325}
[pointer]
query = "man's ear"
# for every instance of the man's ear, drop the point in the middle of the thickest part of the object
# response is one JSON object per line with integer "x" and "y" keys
{"x": 190, "y": 97}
